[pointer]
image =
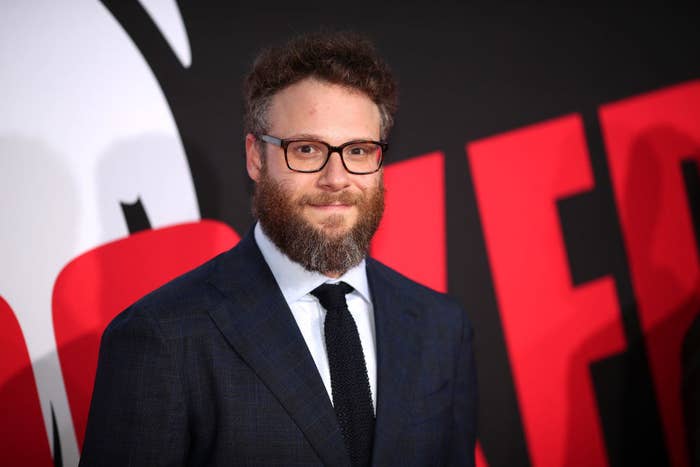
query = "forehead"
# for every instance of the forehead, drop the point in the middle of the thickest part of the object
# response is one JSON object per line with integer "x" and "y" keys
{"x": 331, "y": 111}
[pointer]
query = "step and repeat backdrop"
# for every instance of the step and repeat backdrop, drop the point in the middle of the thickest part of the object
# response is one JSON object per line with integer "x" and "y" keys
{"x": 544, "y": 170}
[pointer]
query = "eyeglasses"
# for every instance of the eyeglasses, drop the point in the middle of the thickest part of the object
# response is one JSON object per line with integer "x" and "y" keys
{"x": 308, "y": 156}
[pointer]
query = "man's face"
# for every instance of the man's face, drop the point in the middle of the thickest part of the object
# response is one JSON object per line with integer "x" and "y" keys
{"x": 332, "y": 205}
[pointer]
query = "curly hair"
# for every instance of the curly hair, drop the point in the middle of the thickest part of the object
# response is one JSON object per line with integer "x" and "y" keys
{"x": 343, "y": 58}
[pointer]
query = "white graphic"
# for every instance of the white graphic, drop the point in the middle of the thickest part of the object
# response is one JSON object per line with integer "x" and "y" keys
{"x": 84, "y": 126}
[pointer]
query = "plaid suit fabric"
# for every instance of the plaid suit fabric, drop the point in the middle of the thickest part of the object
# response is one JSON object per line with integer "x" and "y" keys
{"x": 211, "y": 369}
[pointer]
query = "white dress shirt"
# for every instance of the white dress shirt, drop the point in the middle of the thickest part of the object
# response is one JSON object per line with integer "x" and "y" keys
{"x": 296, "y": 284}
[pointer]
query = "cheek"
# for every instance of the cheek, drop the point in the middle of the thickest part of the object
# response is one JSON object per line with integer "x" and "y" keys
{"x": 370, "y": 183}
{"x": 295, "y": 187}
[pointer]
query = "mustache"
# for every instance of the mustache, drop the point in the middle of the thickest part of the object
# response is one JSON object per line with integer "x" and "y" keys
{"x": 344, "y": 197}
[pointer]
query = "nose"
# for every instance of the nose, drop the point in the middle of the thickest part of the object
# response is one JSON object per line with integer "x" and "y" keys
{"x": 334, "y": 176}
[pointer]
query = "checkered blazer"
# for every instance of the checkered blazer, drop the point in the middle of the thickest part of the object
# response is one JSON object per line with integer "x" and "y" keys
{"x": 211, "y": 369}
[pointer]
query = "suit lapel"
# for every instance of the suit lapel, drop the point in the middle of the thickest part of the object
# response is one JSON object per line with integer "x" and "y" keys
{"x": 257, "y": 322}
{"x": 398, "y": 349}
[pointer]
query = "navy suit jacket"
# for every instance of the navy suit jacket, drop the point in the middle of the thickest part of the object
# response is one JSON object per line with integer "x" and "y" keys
{"x": 211, "y": 369}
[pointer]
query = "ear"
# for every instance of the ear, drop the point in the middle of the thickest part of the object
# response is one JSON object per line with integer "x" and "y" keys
{"x": 253, "y": 157}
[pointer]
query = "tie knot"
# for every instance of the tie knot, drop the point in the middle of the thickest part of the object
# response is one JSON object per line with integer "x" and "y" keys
{"x": 332, "y": 296}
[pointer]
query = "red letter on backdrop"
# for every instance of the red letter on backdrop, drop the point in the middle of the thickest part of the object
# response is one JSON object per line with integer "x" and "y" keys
{"x": 411, "y": 237}
{"x": 553, "y": 330}
{"x": 23, "y": 438}
{"x": 646, "y": 139}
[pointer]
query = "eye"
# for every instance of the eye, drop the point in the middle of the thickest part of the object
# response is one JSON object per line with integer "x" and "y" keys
{"x": 306, "y": 148}
{"x": 361, "y": 150}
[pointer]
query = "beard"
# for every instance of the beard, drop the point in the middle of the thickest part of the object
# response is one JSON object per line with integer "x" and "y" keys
{"x": 327, "y": 249}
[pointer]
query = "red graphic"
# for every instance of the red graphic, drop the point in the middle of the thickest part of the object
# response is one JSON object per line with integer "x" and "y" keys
{"x": 646, "y": 138}
{"x": 23, "y": 438}
{"x": 553, "y": 329}
{"x": 415, "y": 215}
{"x": 479, "y": 456}
{"x": 96, "y": 286}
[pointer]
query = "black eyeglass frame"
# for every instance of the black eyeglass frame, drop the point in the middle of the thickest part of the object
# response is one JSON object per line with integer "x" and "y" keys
{"x": 284, "y": 144}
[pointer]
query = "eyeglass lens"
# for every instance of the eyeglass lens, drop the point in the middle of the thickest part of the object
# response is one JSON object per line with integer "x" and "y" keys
{"x": 361, "y": 157}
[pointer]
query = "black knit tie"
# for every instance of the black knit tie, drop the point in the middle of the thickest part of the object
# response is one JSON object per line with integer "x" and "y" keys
{"x": 352, "y": 399}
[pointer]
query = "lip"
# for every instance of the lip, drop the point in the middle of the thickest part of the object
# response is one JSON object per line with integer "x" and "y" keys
{"x": 331, "y": 207}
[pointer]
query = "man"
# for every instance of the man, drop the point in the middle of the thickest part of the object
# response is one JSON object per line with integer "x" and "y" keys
{"x": 293, "y": 348}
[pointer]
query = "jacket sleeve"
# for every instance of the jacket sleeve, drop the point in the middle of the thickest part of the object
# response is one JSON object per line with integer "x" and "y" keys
{"x": 137, "y": 413}
{"x": 463, "y": 440}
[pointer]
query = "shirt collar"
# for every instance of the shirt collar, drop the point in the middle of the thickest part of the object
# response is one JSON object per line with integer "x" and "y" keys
{"x": 295, "y": 281}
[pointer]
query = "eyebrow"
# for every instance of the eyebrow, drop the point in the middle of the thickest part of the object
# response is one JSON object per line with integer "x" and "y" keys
{"x": 304, "y": 135}
{"x": 319, "y": 138}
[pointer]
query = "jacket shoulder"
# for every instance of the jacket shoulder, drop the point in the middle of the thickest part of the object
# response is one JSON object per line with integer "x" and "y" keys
{"x": 409, "y": 287}
{"x": 438, "y": 313}
{"x": 186, "y": 298}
